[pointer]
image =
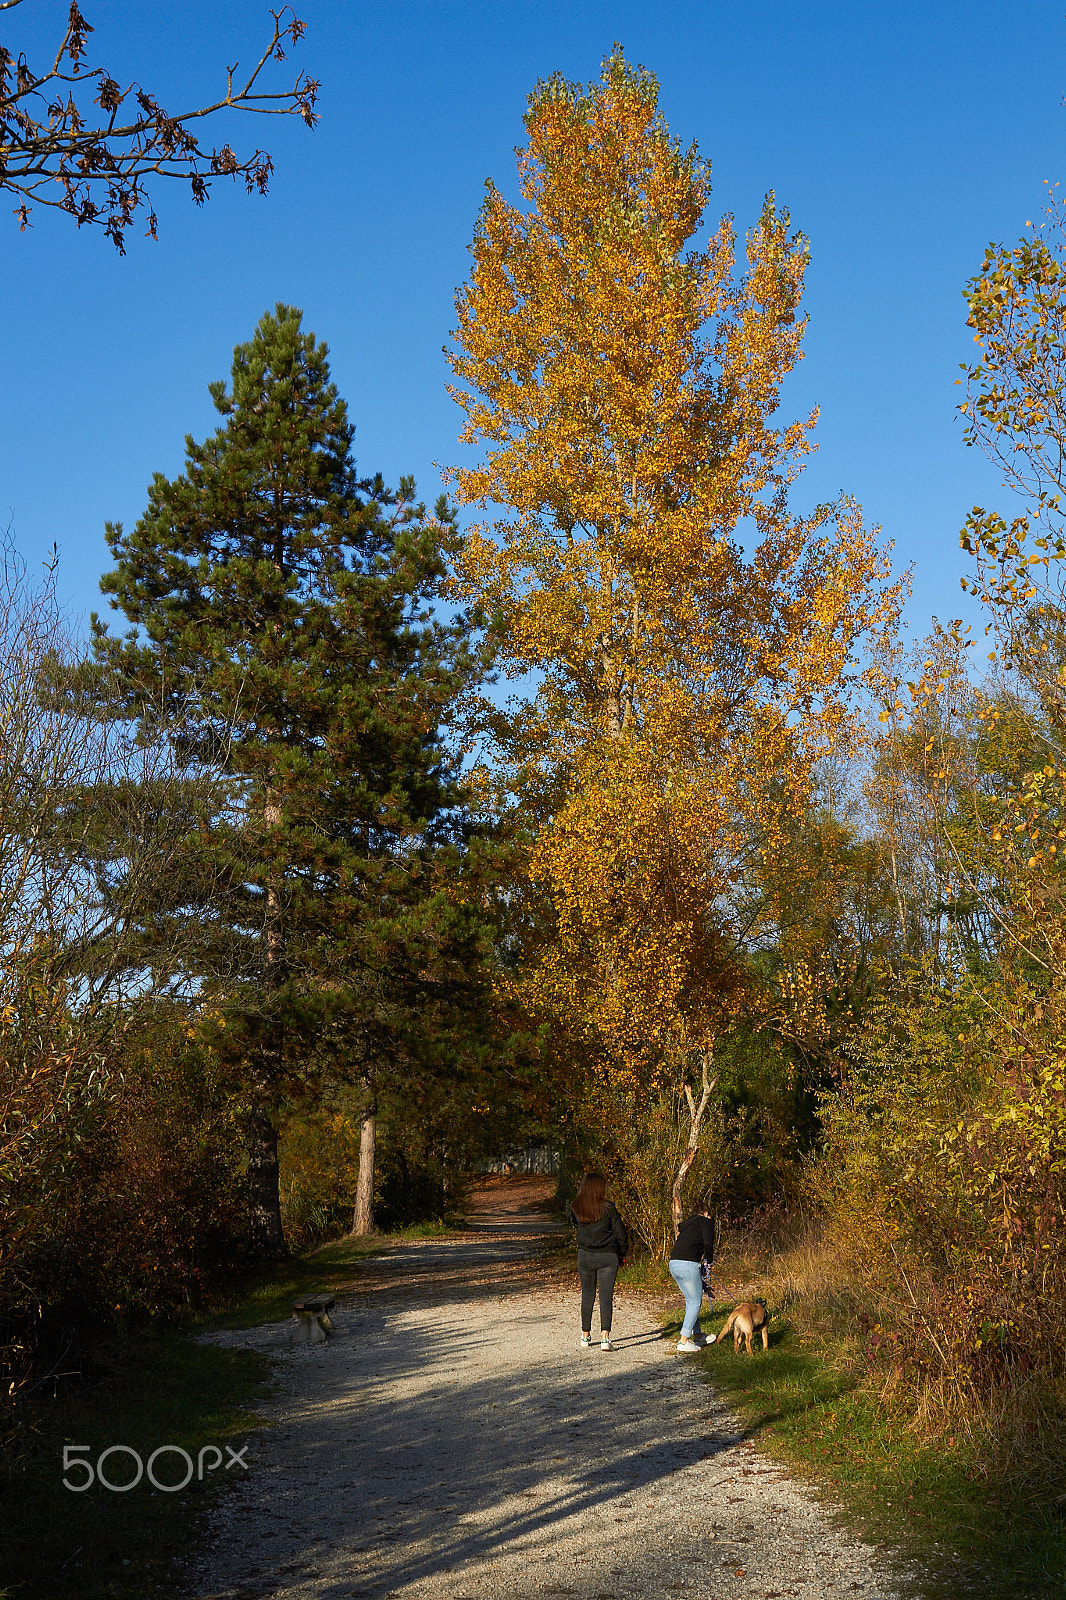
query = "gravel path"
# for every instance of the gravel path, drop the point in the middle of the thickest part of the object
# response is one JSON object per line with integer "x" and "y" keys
{"x": 451, "y": 1441}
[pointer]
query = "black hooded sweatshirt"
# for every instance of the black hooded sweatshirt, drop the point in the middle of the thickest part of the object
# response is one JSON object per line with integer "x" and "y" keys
{"x": 695, "y": 1241}
{"x": 608, "y": 1232}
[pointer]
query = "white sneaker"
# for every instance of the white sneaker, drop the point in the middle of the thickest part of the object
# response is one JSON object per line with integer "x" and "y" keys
{"x": 686, "y": 1346}
{"x": 586, "y": 1341}
{"x": 605, "y": 1342}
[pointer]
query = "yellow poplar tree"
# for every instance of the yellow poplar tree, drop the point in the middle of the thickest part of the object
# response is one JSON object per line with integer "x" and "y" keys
{"x": 622, "y": 382}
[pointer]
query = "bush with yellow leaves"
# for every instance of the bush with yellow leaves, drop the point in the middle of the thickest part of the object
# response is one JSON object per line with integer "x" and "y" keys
{"x": 319, "y": 1154}
{"x": 944, "y": 1189}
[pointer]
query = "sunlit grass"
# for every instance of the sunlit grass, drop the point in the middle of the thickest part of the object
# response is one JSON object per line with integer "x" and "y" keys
{"x": 646, "y": 1276}
{"x": 267, "y": 1295}
{"x": 812, "y": 1401}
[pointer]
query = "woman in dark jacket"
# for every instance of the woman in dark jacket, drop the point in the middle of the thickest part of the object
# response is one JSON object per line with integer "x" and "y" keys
{"x": 694, "y": 1243}
{"x": 602, "y": 1244}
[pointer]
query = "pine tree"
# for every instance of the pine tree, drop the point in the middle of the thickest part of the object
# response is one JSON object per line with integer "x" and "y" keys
{"x": 279, "y": 622}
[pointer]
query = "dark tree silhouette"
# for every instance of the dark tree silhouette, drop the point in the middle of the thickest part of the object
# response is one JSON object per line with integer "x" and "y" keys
{"x": 89, "y": 163}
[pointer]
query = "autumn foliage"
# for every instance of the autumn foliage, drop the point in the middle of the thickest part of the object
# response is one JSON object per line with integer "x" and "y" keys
{"x": 735, "y": 894}
{"x": 693, "y": 642}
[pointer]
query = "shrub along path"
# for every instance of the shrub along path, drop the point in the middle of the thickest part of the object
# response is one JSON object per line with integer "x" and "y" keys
{"x": 451, "y": 1440}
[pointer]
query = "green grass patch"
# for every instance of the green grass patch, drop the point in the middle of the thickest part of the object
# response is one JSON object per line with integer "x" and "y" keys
{"x": 810, "y": 1407}
{"x": 267, "y": 1294}
{"x": 101, "y": 1544}
{"x": 425, "y": 1230}
{"x": 646, "y": 1276}
{"x": 558, "y": 1246}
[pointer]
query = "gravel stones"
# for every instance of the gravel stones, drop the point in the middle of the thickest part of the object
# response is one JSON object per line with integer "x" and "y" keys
{"x": 451, "y": 1441}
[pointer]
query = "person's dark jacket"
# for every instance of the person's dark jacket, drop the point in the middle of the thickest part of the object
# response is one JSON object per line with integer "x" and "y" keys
{"x": 606, "y": 1233}
{"x": 695, "y": 1241}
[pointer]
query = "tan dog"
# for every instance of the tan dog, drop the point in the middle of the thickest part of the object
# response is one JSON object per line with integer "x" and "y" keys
{"x": 747, "y": 1318}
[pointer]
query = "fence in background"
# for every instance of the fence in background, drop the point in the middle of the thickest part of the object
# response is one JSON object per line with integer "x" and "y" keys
{"x": 536, "y": 1158}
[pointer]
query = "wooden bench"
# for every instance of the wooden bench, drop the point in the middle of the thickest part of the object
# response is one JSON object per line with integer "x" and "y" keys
{"x": 312, "y": 1314}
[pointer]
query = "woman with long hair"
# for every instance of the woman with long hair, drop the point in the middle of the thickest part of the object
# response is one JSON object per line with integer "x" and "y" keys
{"x": 602, "y": 1245}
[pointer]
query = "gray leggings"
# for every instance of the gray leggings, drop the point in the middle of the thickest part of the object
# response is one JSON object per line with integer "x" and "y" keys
{"x": 596, "y": 1268}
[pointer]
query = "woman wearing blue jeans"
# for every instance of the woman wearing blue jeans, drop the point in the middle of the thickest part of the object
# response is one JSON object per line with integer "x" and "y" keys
{"x": 694, "y": 1243}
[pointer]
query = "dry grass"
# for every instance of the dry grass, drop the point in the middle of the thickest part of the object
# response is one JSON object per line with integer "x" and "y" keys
{"x": 1016, "y": 1428}
{"x": 790, "y": 1263}
{"x": 971, "y": 1487}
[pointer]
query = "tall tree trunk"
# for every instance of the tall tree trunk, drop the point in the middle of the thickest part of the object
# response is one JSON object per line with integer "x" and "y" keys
{"x": 695, "y": 1118}
{"x": 267, "y": 1241}
{"x": 363, "y": 1221}
{"x": 267, "y": 1236}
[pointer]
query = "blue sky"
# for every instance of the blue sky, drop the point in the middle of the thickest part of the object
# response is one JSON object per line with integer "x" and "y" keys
{"x": 902, "y": 137}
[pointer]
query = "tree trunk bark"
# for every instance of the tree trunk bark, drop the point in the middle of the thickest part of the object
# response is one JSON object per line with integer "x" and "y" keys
{"x": 696, "y": 1114}
{"x": 363, "y": 1221}
{"x": 267, "y": 1237}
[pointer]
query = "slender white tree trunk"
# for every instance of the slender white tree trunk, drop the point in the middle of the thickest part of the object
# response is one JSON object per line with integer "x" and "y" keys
{"x": 696, "y": 1114}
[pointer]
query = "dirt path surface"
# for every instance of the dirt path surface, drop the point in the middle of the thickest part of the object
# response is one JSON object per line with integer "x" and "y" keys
{"x": 452, "y": 1441}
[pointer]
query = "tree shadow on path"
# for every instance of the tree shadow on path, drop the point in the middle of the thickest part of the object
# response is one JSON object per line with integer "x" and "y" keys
{"x": 452, "y": 1432}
